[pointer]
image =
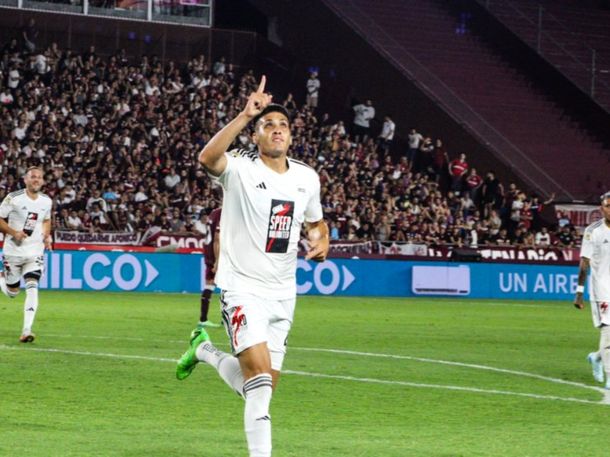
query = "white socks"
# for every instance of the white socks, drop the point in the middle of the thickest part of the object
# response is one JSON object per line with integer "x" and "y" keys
{"x": 227, "y": 365}
{"x": 257, "y": 421}
{"x": 30, "y": 306}
{"x": 257, "y": 392}
{"x": 604, "y": 349}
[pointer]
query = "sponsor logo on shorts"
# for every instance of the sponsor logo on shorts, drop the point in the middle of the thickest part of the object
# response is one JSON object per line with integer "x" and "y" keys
{"x": 238, "y": 320}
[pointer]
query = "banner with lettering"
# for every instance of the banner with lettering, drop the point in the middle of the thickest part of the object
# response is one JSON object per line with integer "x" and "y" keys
{"x": 116, "y": 238}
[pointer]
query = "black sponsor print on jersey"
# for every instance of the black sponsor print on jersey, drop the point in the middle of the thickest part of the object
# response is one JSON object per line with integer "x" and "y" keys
{"x": 280, "y": 223}
{"x": 30, "y": 223}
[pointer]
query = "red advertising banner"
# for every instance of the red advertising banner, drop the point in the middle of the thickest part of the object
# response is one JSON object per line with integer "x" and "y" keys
{"x": 511, "y": 254}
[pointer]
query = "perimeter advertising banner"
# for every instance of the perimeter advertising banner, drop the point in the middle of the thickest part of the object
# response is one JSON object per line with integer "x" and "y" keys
{"x": 120, "y": 271}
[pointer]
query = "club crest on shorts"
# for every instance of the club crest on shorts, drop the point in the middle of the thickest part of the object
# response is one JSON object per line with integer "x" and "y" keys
{"x": 238, "y": 320}
{"x": 280, "y": 224}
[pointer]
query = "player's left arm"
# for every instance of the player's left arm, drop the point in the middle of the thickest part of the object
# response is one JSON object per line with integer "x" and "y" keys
{"x": 216, "y": 247}
{"x": 319, "y": 240}
{"x": 47, "y": 235}
{"x": 583, "y": 271}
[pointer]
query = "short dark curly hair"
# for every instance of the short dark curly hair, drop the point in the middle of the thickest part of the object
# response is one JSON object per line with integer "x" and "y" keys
{"x": 272, "y": 108}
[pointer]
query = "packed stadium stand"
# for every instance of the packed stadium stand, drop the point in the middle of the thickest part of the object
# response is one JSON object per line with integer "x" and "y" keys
{"x": 497, "y": 99}
{"x": 118, "y": 136}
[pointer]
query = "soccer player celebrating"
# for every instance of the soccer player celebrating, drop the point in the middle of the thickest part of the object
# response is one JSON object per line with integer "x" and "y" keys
{"x": 267, "y": 197}
{"x": 25, "y": 219}
{"x": 595, "y": 254}
{"x": 211, "y": 252}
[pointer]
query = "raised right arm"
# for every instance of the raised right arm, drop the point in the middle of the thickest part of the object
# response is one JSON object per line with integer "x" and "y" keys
{"x": 212, "y": 157}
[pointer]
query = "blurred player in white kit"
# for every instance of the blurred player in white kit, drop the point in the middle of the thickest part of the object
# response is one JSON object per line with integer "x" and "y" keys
{"x": 595, "y": 255}
{"x": 25, "y": 219}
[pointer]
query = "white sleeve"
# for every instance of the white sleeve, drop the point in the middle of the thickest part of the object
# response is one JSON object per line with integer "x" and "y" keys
{"x": 6, "y": 207}
{"x": 313, "y": 212}
{"x": 47, "y": 216}
{"x": 225, "y": 178}
{"x": 586, "y": 249}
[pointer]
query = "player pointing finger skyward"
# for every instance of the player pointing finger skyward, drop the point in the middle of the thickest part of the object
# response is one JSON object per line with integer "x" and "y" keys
{"x": 267, "y": 198}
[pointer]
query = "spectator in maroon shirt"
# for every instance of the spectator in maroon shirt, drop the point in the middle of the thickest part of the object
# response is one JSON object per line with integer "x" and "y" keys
{"x": 457, "y": 169}
{"x": 473, "y": 185}
{"x": 211, "y": 252}
{"x": 439, "y": 164}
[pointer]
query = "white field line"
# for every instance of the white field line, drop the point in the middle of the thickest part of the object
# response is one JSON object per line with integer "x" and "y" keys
{"x": 393, "y": 356}
{"x": 605, "y": 400}
{"x": 457, "y": 364}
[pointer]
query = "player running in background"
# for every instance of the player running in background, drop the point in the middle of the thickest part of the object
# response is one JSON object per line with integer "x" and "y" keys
{"x": 267, "y": 198}
{"x": 25, "y": 219}
{"x": 211, "y": 253}
{"x": 595, "y": 254}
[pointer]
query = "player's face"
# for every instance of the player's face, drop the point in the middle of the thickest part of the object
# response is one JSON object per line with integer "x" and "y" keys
{"x": 272, "y": 135}
{"x": 606, "y": 209}
{"x": 33, "y": 181}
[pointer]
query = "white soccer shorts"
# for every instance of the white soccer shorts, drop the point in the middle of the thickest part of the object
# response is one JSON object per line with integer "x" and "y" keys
{"x": 601, "y": 313}
{"x": 15, "y": 267}
{"x": 250, "y": 320}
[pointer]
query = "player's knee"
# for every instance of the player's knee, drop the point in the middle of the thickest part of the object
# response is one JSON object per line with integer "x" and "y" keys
{"x": 255, "y": 361}
{"x": 12, "y": 290}
{"x": 32, "y": 277}
{"x": 31, "y": 281}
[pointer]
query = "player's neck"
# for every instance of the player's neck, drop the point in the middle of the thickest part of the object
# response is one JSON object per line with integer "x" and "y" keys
{"x": 30, "y": 193}
{"x": 607, "y": 223}
{"x": 277, "y": 164}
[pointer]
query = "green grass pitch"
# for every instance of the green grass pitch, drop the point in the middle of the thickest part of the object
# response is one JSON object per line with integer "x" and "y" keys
{"x": 364, "y": 377}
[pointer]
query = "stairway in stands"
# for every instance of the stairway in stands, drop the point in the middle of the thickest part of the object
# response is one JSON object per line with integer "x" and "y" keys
{"x": 572, "y": 36}
{"x": 424, "y": 32}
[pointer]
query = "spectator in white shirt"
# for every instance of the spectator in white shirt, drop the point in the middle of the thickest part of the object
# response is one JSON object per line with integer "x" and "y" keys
{"x": 20, "y": 130}
{"x": 6, "y": 98}
{"x": 543, "y": 237}
{"x": 313, "y": 90}
{"x": 415, "y": 139}
{"x": 172, "y": 179}
{"x": 74, "y": 222}
{"x": 13, "y": 78}
{"x": 96, "y": 198}
{"x": 387, "y": 134}
{"x": 219, "y": 67}
{"x": 363, "y": 114}
{"x": 202, "y": 226}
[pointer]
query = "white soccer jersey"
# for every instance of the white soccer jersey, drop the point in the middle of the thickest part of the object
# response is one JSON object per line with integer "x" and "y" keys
{"x": 260, "y": 227}
{"x": 596, "y": 247}
{"x": 25, "y": 214}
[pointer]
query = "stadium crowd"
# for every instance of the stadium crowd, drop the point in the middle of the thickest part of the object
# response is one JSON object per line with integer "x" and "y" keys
{"x": 118, "y": 141}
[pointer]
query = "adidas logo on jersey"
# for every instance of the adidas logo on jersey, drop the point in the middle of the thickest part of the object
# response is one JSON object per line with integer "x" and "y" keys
{"x": 261, "y": 186}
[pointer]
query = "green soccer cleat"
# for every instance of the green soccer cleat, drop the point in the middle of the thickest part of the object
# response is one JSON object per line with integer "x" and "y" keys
{"x": 209, "y": 324}
{"x": 188, "y": 361}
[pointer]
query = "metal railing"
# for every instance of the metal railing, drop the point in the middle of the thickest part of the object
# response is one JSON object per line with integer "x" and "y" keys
{"x": 183, "y": 12}
{"x": 454, "y": 105}
{"x": 580, "y": 63}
